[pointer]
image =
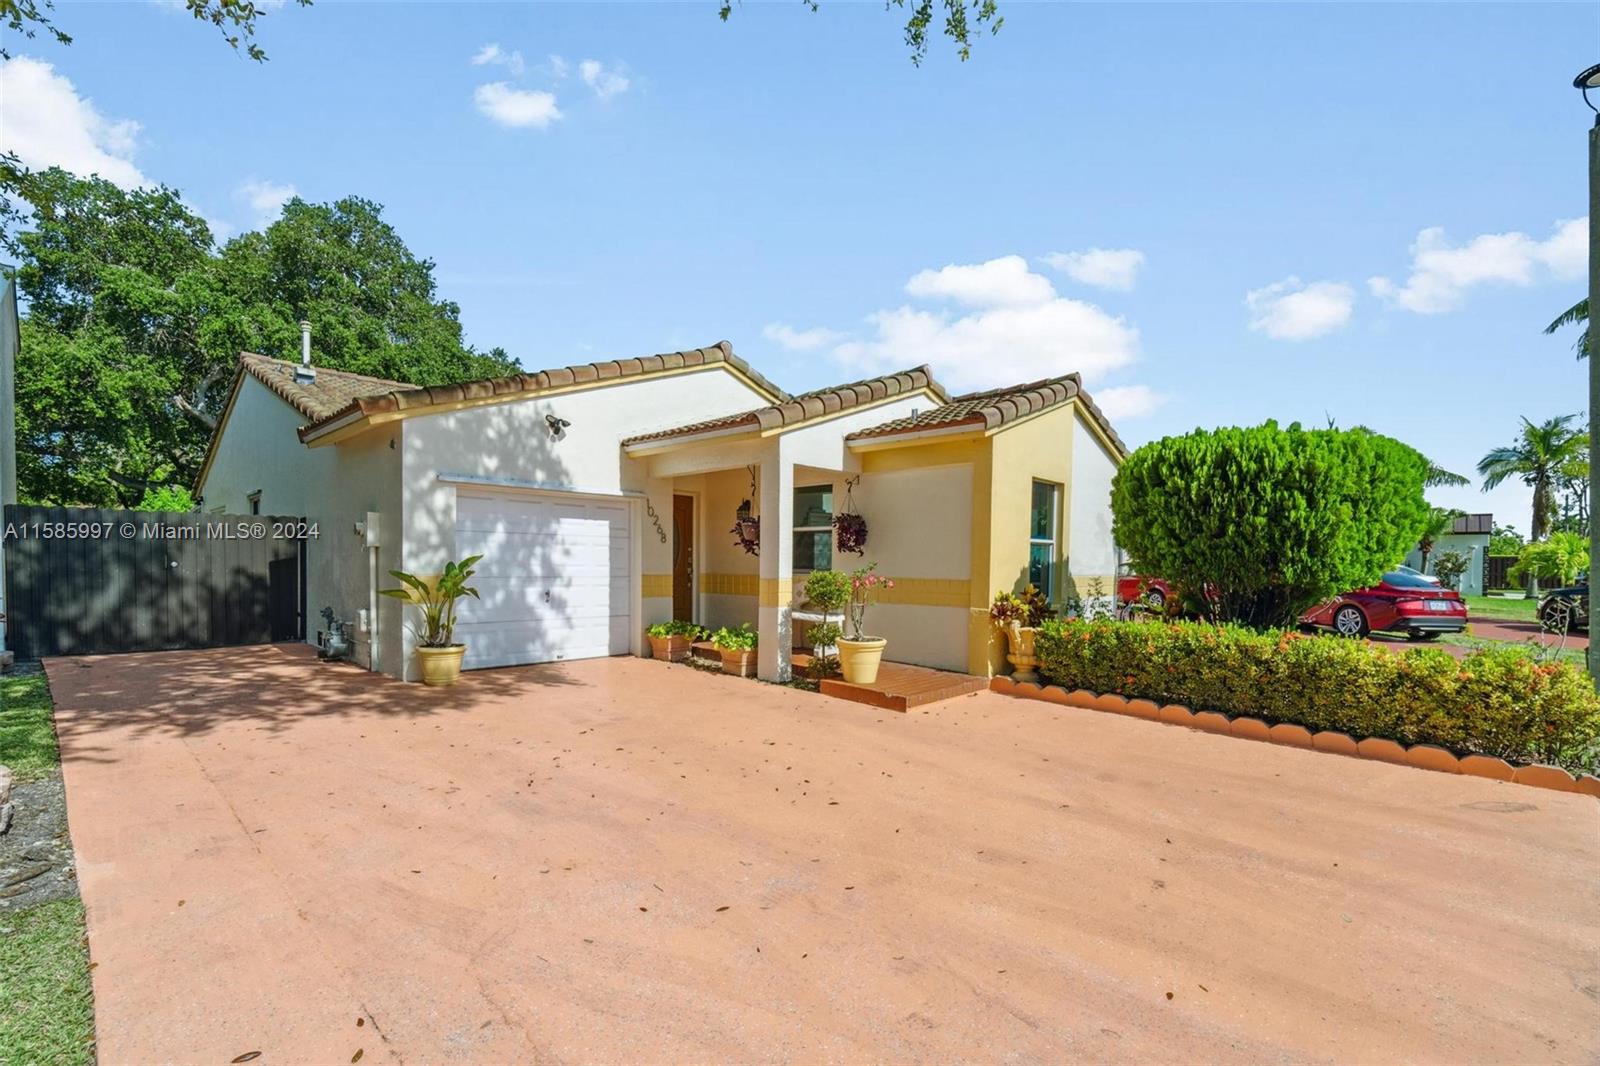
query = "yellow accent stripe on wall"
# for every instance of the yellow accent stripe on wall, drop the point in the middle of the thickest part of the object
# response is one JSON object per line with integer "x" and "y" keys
{"x": 729, "y": 584}
{"x": 656, "y": 586}
{"x": 776, "y": 591}
{"x": 928, "y": 592}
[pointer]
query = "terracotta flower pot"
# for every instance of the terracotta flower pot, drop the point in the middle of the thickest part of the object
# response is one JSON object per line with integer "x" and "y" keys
{"x": 441, "y": 666}
{"x": 738, "y": 662}
{"x": 859, "y": 659}
{"x": 1023, "y": 661}
{"x": 670, "y": 649}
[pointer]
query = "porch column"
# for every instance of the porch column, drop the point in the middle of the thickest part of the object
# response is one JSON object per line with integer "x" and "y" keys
{"x": 777, "y": 565}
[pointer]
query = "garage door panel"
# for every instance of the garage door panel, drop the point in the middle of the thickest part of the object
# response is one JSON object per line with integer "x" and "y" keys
{"x": 554, "y": 580}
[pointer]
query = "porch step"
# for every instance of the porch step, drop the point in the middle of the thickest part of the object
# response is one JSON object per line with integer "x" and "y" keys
{"x": 900, "y": 686}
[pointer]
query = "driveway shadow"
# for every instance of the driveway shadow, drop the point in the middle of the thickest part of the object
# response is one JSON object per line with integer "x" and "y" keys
{"x": 274, "y": 686}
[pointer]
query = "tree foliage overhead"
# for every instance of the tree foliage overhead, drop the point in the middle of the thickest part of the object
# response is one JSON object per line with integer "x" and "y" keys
{"x": 133, "y": 324}
{"x": 234, "y": 19}
{"x": 1576, "y": 315}
{"x": 962, "y": 19}
{"x": 1270, "y": 520}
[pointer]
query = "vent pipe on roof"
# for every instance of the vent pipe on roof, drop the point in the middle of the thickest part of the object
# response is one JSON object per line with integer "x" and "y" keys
{"x": 305, "y": 371}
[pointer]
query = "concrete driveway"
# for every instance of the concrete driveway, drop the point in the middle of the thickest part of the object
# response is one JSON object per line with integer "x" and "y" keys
{"x": 624, "y": 860}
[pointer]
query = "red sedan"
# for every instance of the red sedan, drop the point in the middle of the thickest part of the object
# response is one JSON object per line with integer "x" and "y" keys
{"x": 1401, "y": 602}
{"x": 1131, "y": 588}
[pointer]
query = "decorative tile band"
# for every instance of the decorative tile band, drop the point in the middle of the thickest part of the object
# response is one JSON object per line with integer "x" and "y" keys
{"x": 776, "y": 591}
{"x": 928, "y": 592}
{"x": 1419, "y": 756}
{"x": 729, "y": 584}
{"x": 656, "y": 586}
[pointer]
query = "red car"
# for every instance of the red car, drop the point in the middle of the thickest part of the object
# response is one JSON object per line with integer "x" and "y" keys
{"x": 1401, "y": 602}
{"x": 1155, "y": 591}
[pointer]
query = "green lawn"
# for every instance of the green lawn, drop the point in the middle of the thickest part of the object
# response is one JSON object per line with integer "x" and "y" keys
{"x": 1494, "y": 607}
{"x": 46, "y": 1003}
{"x": 27, "y": 734}
{"x": 44, "y": 985}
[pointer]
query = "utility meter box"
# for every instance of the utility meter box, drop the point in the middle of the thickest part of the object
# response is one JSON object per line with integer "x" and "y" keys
{"x": 369, "y": 530}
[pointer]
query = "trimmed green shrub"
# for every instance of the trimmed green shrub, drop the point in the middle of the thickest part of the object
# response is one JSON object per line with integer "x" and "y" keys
{"x": 1500, "y": 700}
{"x": 1269, "y": 521}
{"x": 1557, "y": 559}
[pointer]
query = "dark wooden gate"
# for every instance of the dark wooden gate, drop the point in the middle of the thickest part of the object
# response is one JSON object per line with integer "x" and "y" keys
{"x": 80, "y": 581}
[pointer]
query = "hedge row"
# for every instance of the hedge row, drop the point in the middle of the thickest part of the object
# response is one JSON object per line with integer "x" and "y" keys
{"x": 1499, "y": 701}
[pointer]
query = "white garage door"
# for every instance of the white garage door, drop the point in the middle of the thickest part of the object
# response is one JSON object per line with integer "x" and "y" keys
{"x": 554, "y": 581}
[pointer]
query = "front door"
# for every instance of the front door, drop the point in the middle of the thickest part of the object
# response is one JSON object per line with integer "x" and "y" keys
{"x": 683, "y": 558}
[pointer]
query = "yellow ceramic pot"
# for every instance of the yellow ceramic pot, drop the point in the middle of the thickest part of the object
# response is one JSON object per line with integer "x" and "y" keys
{"x": 859, "y": 659}
{"x": 441, "y": 666}
{"x": 1023, "y": 660}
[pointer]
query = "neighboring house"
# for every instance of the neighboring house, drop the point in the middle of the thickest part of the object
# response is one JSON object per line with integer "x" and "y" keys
{"x": 602, "y": 498}
{"x": 1469, "y": 535}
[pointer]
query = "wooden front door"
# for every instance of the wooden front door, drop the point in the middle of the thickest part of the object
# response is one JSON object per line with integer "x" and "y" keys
{"x": 683, "y": 558}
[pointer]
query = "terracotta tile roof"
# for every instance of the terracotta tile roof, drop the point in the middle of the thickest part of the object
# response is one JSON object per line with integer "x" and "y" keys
{"x": 996, "y": 408}
{"x": 808, "y": 405}
{"x": 331, "y": 391}
{"x": 409, "y": 397}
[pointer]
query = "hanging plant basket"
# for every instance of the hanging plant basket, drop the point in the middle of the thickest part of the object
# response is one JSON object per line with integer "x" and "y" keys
{"x": 849, "y": 528}
{"x": 747, "y": 530}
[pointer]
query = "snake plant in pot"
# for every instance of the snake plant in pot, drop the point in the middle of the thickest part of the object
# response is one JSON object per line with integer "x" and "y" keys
{"x": 437, "y": 597}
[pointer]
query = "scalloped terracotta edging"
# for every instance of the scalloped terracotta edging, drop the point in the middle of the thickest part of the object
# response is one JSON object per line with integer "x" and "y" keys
{"x": 1376, "y": 749}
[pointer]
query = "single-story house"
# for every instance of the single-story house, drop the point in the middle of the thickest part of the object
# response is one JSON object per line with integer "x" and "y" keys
{"x": 1469, "y": 534}
{"x": 602, "y": 498}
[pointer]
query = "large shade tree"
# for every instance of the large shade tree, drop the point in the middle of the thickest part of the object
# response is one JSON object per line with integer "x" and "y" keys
{"x": 1269, "y": 520}
{"x": 1540, "y": 457}
{"x": 133, "y": 322}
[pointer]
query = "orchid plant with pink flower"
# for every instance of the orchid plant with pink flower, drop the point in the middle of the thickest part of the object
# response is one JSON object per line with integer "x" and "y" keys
{"x": 865, "y": 584}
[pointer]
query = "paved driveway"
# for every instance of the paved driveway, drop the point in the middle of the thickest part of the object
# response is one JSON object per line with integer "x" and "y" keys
{"x": 622, "y": 860}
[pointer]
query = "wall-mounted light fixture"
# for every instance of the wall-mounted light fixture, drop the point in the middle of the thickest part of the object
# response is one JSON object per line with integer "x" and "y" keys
{"x": 558, "y": 426}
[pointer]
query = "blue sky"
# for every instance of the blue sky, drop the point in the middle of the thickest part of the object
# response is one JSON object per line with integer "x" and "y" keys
{"x": 788, "y": 180}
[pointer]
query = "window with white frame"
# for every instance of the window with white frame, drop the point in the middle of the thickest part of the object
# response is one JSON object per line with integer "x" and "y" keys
{"x": 813, "y": 528}
{"x": 1044, "y": 537}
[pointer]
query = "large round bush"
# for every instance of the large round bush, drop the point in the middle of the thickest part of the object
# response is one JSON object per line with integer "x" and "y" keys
{"x": 1270, "y": 520}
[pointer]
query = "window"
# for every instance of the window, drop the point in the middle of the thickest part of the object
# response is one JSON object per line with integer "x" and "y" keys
{"x": 255, "y": 501}
{"x": 1043, "y": 546}
{"x": 813, "y": 528}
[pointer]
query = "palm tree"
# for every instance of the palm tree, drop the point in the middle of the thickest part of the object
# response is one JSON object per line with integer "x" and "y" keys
{"x": 1576, "y": 315}
{"x": 1538, "y": 459}
{"x": 1440, "y": 521}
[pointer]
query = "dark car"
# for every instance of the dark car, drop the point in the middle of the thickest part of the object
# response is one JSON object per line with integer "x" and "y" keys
{"x": 1400, "y": 602}
{"x": 1563, "y": 610}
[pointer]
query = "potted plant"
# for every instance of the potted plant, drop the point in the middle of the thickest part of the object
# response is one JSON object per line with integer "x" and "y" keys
{"x": 859, "y": 654}
{"x": 438, "y": 650}
{"x": 738, "y": 649}
{"x": 829, "y": 592}
{"x": 1018, "y": 616}
{"x": 670, "y": 641}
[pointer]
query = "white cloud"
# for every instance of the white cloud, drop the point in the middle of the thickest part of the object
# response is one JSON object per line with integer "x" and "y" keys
{"x": 1289, "y": 310}
{"x": 1018, "y": 330}
{"x": 605, "y": 83}
{"x": 265, "y": 198}
{"x": 46, "y": 123}
{"x": 493, "y": 55}
{"x": 800, "y": 340}
{"x": 1106, "y": 268}
{"x": 516, "y": 107}
{"x": 558, "y": 67}
{"x": 1003, "y": 282}
{"x": 1121, "y": 402}
{"x": 1441, "y": 273}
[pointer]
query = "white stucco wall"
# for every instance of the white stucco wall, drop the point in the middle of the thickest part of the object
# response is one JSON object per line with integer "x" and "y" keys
{"x": 334, "y": 487}
{"x": 1473, "y": 545}
{"x": 1091, "y": 550}
{"x": 511, "y": 445}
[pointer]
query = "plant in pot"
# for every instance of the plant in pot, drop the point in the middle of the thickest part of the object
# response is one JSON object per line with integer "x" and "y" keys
{"x": 1018, "y": 615}
{"x": 860, "y": 654}
{"x": 670, "y": 641}
{"x": 437, "y": 598}
{"x": 829, "y": 592}
{"x": 738, "y": 649}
